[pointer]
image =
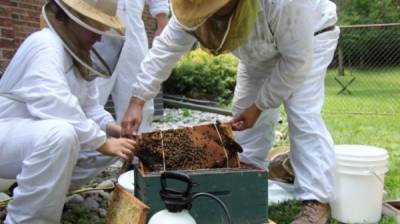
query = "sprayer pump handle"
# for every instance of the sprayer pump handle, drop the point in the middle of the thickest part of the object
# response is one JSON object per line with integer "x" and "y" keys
{"x": 177, "y": 176}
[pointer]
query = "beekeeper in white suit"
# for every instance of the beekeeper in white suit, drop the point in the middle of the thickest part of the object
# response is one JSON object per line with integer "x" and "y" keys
{"x": 126, "y": 61}
{"x": 284, "y": 48}
{"x": 54, "y": 135}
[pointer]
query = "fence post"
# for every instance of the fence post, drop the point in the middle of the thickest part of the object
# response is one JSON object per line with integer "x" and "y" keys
{"x": 341, "y": 64}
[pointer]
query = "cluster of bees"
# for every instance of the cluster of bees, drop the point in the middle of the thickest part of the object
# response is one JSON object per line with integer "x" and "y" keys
{"x": 200, "y": 147}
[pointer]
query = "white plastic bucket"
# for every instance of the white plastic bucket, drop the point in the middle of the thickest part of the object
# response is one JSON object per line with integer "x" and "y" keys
{"x": 127, "y": 181}
{"x": 360, "y": 172}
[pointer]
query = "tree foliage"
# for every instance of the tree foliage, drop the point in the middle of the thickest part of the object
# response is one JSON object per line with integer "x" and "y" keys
{"x": 368, "y": 12}
{"x": 369, "y": 46}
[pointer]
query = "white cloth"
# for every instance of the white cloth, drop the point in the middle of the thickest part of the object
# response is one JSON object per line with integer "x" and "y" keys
{"x": 282, "y": 63}
{"x": 50, "y": 121}
{"x": 132, "y": 54}
{"x": 279, "y": 192}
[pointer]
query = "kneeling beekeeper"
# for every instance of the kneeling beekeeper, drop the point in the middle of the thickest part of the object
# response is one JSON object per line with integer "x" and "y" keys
{"x": 54, "y": 135}
{"x": 284, "y": 47}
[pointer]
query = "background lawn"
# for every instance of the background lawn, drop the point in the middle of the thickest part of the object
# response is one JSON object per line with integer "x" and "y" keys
{"x": 373, "y": 119}
{"x": 374, "y": 91}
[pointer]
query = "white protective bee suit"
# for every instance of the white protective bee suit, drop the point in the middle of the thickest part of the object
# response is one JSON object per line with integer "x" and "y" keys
{"x": 51, "y": 125}
{"x": 283, "y": 62}
{"x": 127, "y": 66}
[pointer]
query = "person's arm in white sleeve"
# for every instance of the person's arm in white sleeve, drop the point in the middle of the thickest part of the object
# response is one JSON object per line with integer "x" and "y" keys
{"x": 96, "y": 112}
{"x": 155, "y": 68}
{"x": 158, "y": 63}
{"x": 114, "y": 145}
{"x": 159, "y": 9}
{"x": 48, "y": 96}
{"x": 293, "y": 29}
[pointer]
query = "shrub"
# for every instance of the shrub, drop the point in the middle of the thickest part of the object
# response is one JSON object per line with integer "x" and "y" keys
{"x": 203, "y": 76}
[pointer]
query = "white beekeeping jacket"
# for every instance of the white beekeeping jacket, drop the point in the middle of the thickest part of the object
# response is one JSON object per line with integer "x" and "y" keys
{"x": 158, "y": 6}
{"x": 282, "y": 39}
{"x": 136, "y": 38}
{"x": 136, "y": 43}
{"x": 41, "y": 83}
{"x": 155, "y": 6}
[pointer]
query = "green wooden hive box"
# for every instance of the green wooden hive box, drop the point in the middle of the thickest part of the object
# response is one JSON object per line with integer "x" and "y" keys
{"x": 243, "y": 190}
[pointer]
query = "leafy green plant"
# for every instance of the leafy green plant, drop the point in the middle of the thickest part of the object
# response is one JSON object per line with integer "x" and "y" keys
{"x": 186, "y": 112}
{"x": 203, "y": 76}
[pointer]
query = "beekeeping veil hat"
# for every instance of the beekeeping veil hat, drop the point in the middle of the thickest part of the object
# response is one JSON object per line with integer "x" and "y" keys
{"x": 217, "y": 35}
{"x": 97, "y": 16}
{"x": 192, "y": 13}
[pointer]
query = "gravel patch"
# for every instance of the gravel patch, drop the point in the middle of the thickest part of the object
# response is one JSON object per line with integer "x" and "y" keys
{"x": 174, "y": 118}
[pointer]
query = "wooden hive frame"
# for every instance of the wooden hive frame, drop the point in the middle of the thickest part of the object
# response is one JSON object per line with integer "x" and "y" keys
{"x": 189, "y": 148}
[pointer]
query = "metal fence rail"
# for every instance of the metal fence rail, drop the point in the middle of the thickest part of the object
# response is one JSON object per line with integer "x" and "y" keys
{"x": 364, "y": 76}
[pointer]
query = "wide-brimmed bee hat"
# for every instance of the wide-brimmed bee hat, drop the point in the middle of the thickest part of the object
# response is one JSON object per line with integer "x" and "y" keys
{"x": 98, "y": 16}
{"x": 191, "y": 14}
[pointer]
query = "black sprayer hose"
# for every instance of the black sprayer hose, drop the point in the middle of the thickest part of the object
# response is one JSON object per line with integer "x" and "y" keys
{"x": 221, "y": 203}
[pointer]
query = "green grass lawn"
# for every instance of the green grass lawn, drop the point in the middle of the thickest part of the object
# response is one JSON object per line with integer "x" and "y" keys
{"x": 374, "y": 119}
{"x": 375, "y": 91}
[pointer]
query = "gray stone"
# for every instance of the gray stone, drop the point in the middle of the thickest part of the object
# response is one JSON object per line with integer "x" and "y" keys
{"x": 98, "y": 198}
{"x": 105, "y": 195}
{"x": 75, "y": 199}
{"x": 105, "y": 184}
{"x": 91, "y": 204}
{"x": 102, "y": 212}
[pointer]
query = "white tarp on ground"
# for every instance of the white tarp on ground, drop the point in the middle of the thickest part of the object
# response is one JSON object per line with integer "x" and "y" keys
{"x": 279, "y": 192}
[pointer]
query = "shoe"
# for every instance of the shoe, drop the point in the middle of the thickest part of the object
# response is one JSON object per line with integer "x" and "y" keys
{"x": 313, "y": 212}
{"x": 280, "y": 169}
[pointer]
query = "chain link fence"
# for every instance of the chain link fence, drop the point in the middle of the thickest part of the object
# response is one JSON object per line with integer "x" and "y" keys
{"x": 364, "y": 77}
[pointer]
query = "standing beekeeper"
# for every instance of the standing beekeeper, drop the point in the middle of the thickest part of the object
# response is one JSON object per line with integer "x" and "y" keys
{"x": 54, "y": 135}
{"x": 284, "y": 48}
{"x": 125, "y": 62}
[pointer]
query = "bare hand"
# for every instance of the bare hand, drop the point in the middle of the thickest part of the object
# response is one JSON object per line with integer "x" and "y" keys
{"x": 133, "y": 118}
{"x": 162, "y": 20}
{"x": 246, "y": 119}
{"x": 157, "y": 32}
{"x": 121, "y": 147}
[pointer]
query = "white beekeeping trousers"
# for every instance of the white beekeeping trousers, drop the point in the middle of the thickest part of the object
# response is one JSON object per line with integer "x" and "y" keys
{"x": 44, "y": 157}
{"x": 311, "y": 144}
{"x": 128, "y": 65}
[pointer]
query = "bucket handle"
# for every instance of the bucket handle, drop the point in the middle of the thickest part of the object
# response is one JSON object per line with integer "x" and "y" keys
{"x": 379, "y": 179}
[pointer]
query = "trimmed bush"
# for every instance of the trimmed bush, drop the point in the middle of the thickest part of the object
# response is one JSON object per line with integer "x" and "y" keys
{"x": 203, "y": 76}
